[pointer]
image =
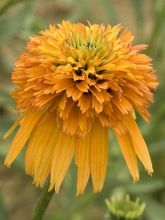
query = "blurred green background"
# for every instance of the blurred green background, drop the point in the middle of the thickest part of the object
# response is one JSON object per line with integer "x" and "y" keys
{"x": 21, "y": 18}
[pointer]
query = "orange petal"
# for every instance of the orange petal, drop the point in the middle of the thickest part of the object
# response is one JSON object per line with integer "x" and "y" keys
{"x": 129, "y": 154}
{"x": 62, "y": 156}
{"x": 12, "y": 128}
{"x": 39, "y": 152}
{"x": 139, "y": 143}
{"x": 98, "y": 155}
{"x": 82, "y": 162}
{"x": 63, "y": 84}
{"x": 96, "y": 105}
{"x": 27, "y": 125}
{"x": 82, "y": 86}
{"x": 98, "y": 94}
{"x": 70, "y": 125}
{"x": 74, "y": 93}
{"x": 85, "y": 102}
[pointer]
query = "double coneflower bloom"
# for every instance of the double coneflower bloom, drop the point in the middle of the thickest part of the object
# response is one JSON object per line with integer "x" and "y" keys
{"x": 73, "y": 83}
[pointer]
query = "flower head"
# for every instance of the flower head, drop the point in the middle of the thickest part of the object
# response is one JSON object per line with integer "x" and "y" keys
{"x": 73, "y": 83}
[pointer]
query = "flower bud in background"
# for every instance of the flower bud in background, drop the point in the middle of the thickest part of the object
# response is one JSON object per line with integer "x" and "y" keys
{"x": 121, "y": 207}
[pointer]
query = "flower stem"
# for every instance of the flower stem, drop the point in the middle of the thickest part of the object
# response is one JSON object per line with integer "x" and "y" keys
{"x": 42, "y": 203}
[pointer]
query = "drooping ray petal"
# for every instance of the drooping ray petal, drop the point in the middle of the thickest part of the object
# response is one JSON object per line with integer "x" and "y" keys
{"x": 82, "y": 161}
{"x": 139, "y": 143}
{"x": 12, "y": 128}
{"x": 129, "y": 154}
{"x": 28, "y": 123}
{"x": 62, "y": 156}
{"x": 98, "y": 155}
{"x": 37, "y": 158}
{"x": 45, "y": 166}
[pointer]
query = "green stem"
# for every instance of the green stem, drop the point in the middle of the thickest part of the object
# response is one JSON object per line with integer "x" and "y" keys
{"x": 42, "y": 203}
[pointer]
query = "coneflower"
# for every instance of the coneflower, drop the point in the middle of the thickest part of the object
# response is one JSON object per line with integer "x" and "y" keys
{"x": 74, "y": 83}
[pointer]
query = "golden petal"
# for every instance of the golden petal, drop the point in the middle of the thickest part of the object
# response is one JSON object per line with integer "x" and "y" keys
{"x": 62, "y": 156}
{"x": 40, "y": 149}
{"x": 82, "y": 161}
{"x": 23, "y": 134}
{"x": 98, "y": 155}
{"x": 127, "y": 148}
{"x": 139, "y": 143}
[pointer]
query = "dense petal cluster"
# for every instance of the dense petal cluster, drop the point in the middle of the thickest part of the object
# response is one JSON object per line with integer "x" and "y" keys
{"x": 73, "y": 83}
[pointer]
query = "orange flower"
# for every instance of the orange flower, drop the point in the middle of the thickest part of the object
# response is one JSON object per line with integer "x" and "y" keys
{"x": 73, "y": 83}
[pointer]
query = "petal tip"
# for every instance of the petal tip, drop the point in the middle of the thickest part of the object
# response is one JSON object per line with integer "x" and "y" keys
{"x": 150, "y": 172}
{"x": 7, "y": 164}
{"x": 136, "y": 179}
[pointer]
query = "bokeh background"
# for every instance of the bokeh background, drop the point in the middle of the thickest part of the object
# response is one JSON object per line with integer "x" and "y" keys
{"x": 21, "y": 18}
